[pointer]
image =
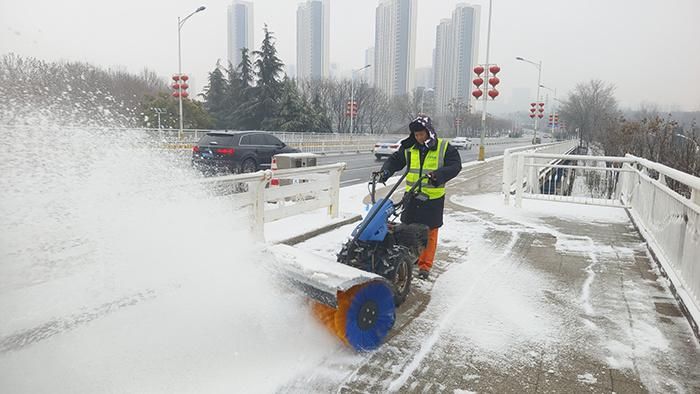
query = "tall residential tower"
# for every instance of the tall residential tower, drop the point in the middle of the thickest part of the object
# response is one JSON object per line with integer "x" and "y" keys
{"x": 456, "y": 49}
{"x": 313, "y": 38}
{"x": 240, "y": 29}
{"x": 395, "y": 46}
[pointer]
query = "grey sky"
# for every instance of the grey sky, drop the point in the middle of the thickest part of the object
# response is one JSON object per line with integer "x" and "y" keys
{"x": 649, "y": 49}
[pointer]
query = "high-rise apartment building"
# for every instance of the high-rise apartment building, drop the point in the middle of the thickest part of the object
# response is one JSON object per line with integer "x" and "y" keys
{"x": 368, "y": 73}
{"x": 313, "y": 38}
{"x": 240, "y": 29}
{"x": 395, "y": 46}
{"x": 456, "y": 50}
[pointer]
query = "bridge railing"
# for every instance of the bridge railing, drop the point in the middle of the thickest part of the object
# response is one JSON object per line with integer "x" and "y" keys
{"x": 663, "y": 203}
{"x": 510, "y": 165}
{"x": 301, "y": 190}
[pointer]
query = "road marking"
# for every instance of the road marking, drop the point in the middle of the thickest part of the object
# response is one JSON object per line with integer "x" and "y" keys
{"x": 351, "y": 180}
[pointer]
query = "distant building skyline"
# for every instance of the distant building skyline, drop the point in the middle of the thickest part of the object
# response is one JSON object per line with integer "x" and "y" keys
{"x": 395, "y": 46}
{"x": 369, "y": 72}
{"x": 456, "y": 50}
{"x": 313, "y": 40}
{"x": 239, "y": 23}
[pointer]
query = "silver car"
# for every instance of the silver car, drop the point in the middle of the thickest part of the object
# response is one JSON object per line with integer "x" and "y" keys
{"x": 461, "y": 143}
{"x": 386, "y": 148}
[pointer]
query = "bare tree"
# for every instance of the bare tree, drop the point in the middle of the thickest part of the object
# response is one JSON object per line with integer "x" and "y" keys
{"x": 590, "y": 108}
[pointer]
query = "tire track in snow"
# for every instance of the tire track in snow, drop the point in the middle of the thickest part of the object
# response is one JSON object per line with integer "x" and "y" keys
{"x": 427, "y": 345}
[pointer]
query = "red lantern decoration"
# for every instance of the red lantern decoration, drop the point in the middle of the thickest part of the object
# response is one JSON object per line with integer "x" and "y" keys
{"x": 493, "y": 93}
{"x": 494, "y": 69}
{"x": 541, "y": 110}
{"x": 494, "y": 81}
{"x": 532, "y": 110}
{"x": 176, "y": 77}
{"x": 532, "y": 116}
{"x": 541, "y": 104}
{"x": 176, "y": 86}
{"x": 176, "y": 94}
{"x": 478, "y": 81}
{"x": 184, "y": 94}
{"x": 184, "y": 77}
{"x": 184, "y": 86}
{"x": 533, "y": 104}
{"x": 540, "y": 116}
{"x": 478, "y": 70}
{"x": 477, "y": 93}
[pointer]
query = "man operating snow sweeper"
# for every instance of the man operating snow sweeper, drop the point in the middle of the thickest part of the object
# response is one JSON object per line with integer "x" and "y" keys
{"x": 422, "y": 152}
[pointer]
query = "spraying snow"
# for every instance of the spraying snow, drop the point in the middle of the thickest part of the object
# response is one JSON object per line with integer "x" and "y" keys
{"x": 112, "y": 280}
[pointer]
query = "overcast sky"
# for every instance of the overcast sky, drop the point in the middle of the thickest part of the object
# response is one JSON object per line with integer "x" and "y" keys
{"x": 649, "y": 49}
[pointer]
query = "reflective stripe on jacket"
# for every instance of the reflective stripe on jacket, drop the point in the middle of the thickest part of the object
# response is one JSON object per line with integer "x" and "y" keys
{"x": 434, "y": 159}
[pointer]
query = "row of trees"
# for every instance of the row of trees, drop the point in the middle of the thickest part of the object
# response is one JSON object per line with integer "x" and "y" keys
{"x": 71, "y": 93}
{"x": 592, "y": 111}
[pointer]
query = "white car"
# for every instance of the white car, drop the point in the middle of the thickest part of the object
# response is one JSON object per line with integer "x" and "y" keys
{"x": 461, "y": 143}
{"x": 386, "y": 148}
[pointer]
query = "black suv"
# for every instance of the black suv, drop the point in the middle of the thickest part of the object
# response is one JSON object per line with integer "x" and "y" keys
{"x": 236, "y": 151}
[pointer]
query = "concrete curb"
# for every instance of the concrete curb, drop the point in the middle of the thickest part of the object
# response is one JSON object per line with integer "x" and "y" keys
{"x": 313, "y": 233}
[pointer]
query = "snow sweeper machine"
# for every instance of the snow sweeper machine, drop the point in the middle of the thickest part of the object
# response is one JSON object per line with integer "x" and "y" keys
{"x": 356, "y": 298}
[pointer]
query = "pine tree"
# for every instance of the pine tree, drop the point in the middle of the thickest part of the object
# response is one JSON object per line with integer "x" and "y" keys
{"x": 215, "y": 97}
{"x": 268, "y": 89}
{"x": 245, "y": 68}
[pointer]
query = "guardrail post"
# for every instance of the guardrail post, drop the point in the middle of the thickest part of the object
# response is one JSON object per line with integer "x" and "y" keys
{"x": 335, "y": 193}
{"x": 507, "y": 177}
{"x": 533, "y": 181}
{"x": 258, "y": 214}
{"x": 519, "y": 180}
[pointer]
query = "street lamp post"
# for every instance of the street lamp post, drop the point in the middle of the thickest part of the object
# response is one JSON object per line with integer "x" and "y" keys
{"x": 181, "y": 22}
{"x": 352, "y": 94}
{"x": 539, "y": 82}
{"x": 482, "y": 145}
{"x": 553, "y": 110}
{"x": 697, "y": 146}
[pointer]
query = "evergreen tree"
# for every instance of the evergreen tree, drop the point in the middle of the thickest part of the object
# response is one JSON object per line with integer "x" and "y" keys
{"x": 245, "y": 68}
{"x": 215, "y": 97}
{"x": 268, "y": 89}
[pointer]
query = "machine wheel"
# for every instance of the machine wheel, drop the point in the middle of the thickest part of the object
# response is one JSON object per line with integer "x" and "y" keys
{"x": 402, "y": 276}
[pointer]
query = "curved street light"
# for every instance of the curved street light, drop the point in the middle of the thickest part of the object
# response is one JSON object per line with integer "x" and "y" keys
{"x": 181, "y": 22}
{"x": 697, "y": 146}
{"x": 352, "y": 94}
{"x": 539, "y": 82}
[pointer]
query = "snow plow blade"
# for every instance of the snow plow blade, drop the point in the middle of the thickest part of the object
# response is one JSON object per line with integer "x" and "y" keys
{"x": 355, "y": 305}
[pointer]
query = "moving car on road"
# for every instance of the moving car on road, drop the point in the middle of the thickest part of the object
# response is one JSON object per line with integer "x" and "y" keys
{"x": 386, "y": 148}
{"x": 461, "y": 143}
{"x": 236, "y": 151}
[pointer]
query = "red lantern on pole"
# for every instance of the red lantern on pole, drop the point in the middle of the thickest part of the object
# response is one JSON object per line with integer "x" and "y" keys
{"x": 541, "y": 104}
{"x": 478, "y": 81}
{"x": 184, "y": 85}
{"x": 478, "y": 70}
{"x": 532, "y": 110}
{"x": 184, "y": 77}
{"x": 176, "y": 86}
{"x": 176, "y": 77}
{"x": 541, "y": 109}
{"x": 494, "y": 81}
{"x": 540, "y": 116}
{"x": 176, "y": 94}
{"x": 184, "y": 94}
{"x": 532, "y": 116}
{"x": 494, "y": 69}
{"x": 533, "y": 104}
{"x": 493, "y": 93}
{"x": 477, "y": 93}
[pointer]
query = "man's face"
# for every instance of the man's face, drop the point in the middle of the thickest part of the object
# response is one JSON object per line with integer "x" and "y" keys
{"x": 421, "y": 136}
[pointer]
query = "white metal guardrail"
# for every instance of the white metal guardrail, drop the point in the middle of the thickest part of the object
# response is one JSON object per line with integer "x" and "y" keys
{"x": 668, "y": 219}
{"x": 311, "y": 188}
{"x": 510, "y": 165}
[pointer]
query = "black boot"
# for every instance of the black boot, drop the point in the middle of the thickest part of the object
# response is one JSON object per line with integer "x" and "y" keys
{"x": 423, "y": 274}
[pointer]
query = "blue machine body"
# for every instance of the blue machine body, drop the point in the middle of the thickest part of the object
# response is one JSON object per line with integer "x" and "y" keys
{"x": 377, "y": 229}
